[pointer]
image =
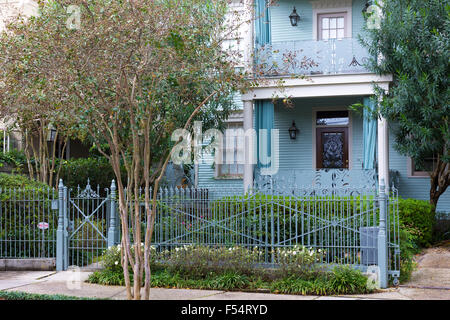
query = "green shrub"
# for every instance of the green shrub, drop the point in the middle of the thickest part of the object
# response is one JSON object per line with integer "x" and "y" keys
{"x": 342, "y": 280}
{"x": 230, "y": 281}
{"x": 76, "y": 172}
{"x": 11, "y": 181}
{"x": 199, "y": 261}
{"x": 15, "y": 158}
{"x": 16, "y": 295}
{"x": 107, "y": 277}
{"x": 345, "y": 280}
{"x": 418, "y": 217}
{"x": 408, "y": 248}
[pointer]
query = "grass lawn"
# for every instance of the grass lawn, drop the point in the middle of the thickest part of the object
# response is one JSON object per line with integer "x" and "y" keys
{"x": 17, "y": 295}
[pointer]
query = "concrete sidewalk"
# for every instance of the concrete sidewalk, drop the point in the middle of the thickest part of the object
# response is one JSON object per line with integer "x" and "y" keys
{"x": 72, "y": 284}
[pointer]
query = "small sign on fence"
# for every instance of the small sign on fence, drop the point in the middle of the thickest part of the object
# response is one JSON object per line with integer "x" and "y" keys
{"x": 43, "y": 225}
{"x": 54, "y": 204}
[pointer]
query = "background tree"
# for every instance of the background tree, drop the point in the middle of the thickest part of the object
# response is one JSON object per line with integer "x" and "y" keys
{"x": 413, "y": 41}
{"x": 128, "y": 75}
{"x": 30, "y": 99}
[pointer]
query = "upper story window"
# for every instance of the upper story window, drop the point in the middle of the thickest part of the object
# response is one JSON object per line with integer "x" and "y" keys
{"x": 332, "y": 26}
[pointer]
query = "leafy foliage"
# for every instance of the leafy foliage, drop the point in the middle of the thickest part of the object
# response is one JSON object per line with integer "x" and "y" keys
{"x": 413, "y": 40}
{"x": 76, "y": 172}
{"x": 17, "y": 295}
{"x": 418, "y": 217}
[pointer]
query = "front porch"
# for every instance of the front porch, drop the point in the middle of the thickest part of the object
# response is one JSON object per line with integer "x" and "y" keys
{"x": 360, "y": 144}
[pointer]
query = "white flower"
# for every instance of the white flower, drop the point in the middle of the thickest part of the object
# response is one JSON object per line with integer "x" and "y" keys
{"x": 116, "y": 263}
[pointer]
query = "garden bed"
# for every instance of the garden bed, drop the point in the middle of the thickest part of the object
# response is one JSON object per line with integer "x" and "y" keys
{"x": 232, "y": 269}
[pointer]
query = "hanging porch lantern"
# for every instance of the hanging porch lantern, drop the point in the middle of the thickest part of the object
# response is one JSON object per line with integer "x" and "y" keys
{"x": 294, "y": 17}
{"x": 293, "y": 130}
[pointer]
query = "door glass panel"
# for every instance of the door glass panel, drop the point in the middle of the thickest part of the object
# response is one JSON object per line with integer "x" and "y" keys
{"x": 325, "y": 23}
{"x": 340, "y": 34}
{"x": 325, "y": 34}
{"x": 340, "y": 23}
{"x": 333, "y": 150}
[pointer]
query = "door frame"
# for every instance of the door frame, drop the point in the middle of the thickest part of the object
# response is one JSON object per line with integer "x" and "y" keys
{"x": 350, "y": 133}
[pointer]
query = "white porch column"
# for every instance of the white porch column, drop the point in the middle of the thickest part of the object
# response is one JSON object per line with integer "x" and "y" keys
{"x": 383, "y": 152}
{"x": 249, "y": 145}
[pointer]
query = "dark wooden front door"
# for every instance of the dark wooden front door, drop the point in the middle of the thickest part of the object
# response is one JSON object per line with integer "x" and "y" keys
{"x": 332, "y": 148}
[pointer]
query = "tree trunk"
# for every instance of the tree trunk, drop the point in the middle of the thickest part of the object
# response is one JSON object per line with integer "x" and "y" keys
{"x": 439, "y": 181}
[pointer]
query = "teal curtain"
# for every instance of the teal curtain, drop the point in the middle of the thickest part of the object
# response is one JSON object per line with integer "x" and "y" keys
{"x": 264, "y": 112}
{"x": 369, "y": 134}
{"x": 262, "y": 23}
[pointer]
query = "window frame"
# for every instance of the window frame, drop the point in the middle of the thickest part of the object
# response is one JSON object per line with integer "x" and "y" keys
{"x": 219, "y": 156}
{"x": 330, "y": 7}
{"x": 320, "y": 16}
{"x": 413, "y": 173}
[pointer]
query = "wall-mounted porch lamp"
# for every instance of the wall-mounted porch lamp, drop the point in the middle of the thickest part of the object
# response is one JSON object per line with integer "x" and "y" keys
{"x": 294, "y": 17}
{"x": 293, "y": 130}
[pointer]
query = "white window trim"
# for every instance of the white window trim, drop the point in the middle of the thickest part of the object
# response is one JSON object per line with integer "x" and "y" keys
{"x": 415, "y": 174}
{"x": 327, "y": 6}
{"x": 350, "y": 133}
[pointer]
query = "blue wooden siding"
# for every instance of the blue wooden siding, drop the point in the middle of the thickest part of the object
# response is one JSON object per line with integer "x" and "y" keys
{"x": 283, "y": 31}
{"x": 357, "y": 17}
{"x": 417, "y": 187}
{"x": 281, "y": 27}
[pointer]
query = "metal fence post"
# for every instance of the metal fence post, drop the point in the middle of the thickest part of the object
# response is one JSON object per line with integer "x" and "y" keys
{"x": 112, "y": 232}
{"x": 60, "y": 230}
{"x": 382, "y": 237}
{"x": 66, "y": 229}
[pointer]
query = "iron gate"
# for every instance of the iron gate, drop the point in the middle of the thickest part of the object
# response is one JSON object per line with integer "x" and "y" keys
{"x": 86, "y": 227}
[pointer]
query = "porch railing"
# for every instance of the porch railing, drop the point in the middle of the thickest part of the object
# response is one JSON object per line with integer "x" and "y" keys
{"x": 308, "y": 57}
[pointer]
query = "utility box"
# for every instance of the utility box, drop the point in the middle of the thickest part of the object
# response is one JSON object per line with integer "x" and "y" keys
{"x": 369, "y": 245}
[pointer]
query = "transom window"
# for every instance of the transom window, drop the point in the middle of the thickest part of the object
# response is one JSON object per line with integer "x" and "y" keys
{"x": 332, "y": 118}
{"x": 332, "y": 25}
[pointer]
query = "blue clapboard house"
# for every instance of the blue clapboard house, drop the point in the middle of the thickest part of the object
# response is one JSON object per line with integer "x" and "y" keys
{"x": 321, "y": 141}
